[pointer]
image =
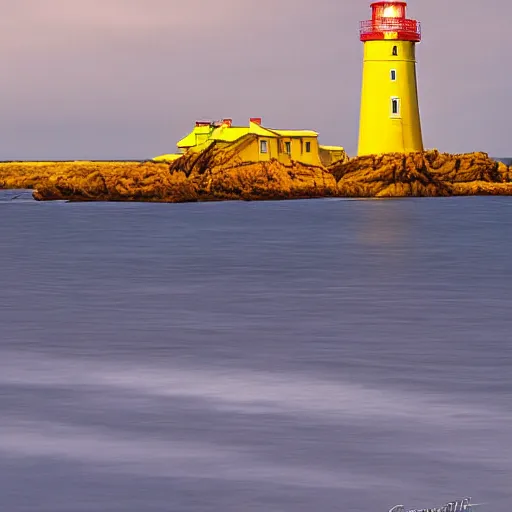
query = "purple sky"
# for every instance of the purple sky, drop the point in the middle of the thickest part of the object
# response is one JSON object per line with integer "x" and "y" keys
{"x": 127, "y": 78}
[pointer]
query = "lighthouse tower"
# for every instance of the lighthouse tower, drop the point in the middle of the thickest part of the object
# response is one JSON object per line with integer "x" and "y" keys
{"x": 390, "y": 115}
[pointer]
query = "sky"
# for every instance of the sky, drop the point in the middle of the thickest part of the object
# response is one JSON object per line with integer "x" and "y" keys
{"x": 125, "y": 79}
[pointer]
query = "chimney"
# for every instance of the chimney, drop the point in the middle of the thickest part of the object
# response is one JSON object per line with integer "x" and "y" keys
{"x": 256, "y": 120}
{"x": 203, "y": 123}
{"x": 228, "y": 122}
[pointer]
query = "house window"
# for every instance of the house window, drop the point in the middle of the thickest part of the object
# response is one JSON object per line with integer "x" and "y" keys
{"x": 393, "y": 75}
{"x": 288, "y": 147}
{"x": 263, "y": 146}
{"x": 395, "y": 51}
{"x": 395, "y": 107}
{"x": 308, "y": 147}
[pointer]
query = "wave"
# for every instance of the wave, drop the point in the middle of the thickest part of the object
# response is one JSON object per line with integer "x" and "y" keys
{"x": 253, "y": 392}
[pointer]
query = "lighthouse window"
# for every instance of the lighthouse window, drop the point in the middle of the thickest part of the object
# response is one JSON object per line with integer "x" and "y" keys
{"x": 393, "y": 75}
{"x": 395, "y": 107}
{"x": 263, "y": 146}
{"x": 395, "y": 50}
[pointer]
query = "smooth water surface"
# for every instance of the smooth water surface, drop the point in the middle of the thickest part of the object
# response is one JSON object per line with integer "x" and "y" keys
{"x": 322, "y": 355}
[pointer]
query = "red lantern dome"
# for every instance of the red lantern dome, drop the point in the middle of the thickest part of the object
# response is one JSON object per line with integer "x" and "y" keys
{"x": 389, "y": 22}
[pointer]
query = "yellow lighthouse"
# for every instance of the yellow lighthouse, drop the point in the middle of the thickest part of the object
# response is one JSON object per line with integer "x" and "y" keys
{"x": 390, "y": 115}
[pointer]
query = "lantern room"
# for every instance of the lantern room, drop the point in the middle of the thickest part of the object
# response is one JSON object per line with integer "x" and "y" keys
{"x": 388, "y": 10}
{"x": 389, "y": 22}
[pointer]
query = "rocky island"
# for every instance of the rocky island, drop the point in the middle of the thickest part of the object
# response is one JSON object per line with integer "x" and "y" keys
{"x": 215, "y": 175}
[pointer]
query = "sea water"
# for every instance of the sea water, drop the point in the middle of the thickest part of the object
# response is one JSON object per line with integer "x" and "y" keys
{"x": 321, "y": 355}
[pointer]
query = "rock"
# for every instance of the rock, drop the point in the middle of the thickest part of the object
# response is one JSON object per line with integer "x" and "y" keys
{"x": 391, "y": 175}
{"x": 422, "y": 174}
{"x": 114, "y": 181}
{"x": 24, "y": 175}
{"x": 217, "y": 174}
{"x": 212, "y": 175}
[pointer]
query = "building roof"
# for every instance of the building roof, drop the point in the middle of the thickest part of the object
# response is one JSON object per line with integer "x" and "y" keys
{"x": 190, "y": 140}
{"x": 332, "y": 148}
{"x": 296, "y": 133}
{"x": 257, "y": 129}
{"x": 227, "y": 133}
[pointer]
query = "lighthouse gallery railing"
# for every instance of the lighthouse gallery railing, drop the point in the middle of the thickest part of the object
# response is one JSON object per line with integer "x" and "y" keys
{"x": 407, "y": 30}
